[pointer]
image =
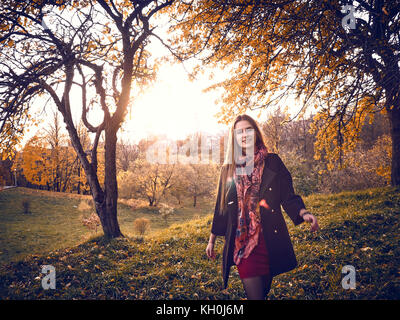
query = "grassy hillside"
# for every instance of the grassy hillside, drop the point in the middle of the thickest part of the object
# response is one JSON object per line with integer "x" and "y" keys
{"x": 357, "y": 228}
{"x": 54, "y": 221}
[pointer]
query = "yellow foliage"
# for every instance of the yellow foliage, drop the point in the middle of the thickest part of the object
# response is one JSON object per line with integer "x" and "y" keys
{"x": 35, "y": 161}
{"x": 10, "y": 137}
{"x": 383, "y": 147}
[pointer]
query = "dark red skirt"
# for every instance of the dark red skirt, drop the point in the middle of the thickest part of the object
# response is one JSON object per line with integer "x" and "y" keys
{"x": 257, "y": 263}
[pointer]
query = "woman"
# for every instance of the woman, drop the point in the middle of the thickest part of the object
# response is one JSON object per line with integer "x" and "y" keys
{"x": 253, "y": 184}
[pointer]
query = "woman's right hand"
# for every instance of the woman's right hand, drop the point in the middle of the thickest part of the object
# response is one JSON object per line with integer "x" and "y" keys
{"x": 210, "y": 251}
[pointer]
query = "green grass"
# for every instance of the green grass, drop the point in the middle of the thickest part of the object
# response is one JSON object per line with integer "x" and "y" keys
{"x": 54, "y": 221}
{"x": 357, "y": 228}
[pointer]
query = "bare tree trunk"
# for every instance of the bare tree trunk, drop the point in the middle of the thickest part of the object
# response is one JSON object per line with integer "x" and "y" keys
{"x": 105, "y": 201}
{"x": 108, "y": 210}
{"x": 79, "y": 178}
{"x": 394, "y": 117}
{"x": 194, "y": 201}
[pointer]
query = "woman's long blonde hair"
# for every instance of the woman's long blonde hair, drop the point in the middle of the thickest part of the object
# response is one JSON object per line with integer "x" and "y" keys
{"x": 229, "y": 165}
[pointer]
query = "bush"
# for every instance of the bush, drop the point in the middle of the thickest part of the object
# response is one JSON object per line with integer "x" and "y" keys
{"x": 166, "y": 211}
{"x": 141, "y": 225}
{"x": 26, "y": 205}
{"x": 85, "y": 205}
{"x": 304, "y": 173}
{"x": 91, "y": 222}
{"x": 364, "y": 169}
{"x": 90, "y": 202}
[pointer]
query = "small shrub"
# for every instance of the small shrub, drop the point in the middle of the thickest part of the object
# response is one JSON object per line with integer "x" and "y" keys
{"x": 91, "y": 222}
{"x": 166, "y": 211}
{"x": 90, "y": 202}
{"x": 26, "y": 205}
{"x": 85, "y": 205}
{"x": 141, "y": 225}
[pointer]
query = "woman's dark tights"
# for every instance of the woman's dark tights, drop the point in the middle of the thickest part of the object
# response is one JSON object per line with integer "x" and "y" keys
{"x": 257, "y": 288}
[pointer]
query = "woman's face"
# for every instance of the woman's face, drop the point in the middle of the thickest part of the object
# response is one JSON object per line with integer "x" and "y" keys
{"x": 244, "y": 134}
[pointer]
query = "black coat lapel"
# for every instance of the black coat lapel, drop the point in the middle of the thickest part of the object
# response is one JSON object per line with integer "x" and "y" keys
{"x": 267, "y": 177}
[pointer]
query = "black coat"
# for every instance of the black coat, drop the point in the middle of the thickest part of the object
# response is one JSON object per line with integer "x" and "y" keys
{"x": 277, "y": 189}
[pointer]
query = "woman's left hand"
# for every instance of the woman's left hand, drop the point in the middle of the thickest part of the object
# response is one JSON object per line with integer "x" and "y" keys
{"x": 308, "y": 217}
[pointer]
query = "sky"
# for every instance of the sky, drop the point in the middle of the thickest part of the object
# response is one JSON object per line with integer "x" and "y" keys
{"x": 172, "y": 106}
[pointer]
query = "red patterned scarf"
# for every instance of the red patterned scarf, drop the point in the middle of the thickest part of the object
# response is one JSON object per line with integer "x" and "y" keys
{"x": 249, "y": 220}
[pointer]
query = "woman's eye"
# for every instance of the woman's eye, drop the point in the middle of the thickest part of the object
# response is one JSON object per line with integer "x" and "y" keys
{"x": 247, "y": 131}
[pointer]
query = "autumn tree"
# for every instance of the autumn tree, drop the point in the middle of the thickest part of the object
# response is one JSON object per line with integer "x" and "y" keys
{"x": 273, "y": 128}
{"x": 296, "y": 137}
{"x": 48, "y": 162}
{"x": 341, "y": 57}
{"x": 200, "y": 170}
{"x": 62, "y": 162}
{"x": 179, "y": 185}
{"x": 200, "y": 181}
{"x": 56, "y": 48}
{"x": 34, "y": 162}
{"x": 152, "y": 180}
{"x": 11, "y": 133}
{"x": 126, "y": 154}
{"x": 6, "y": 174}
